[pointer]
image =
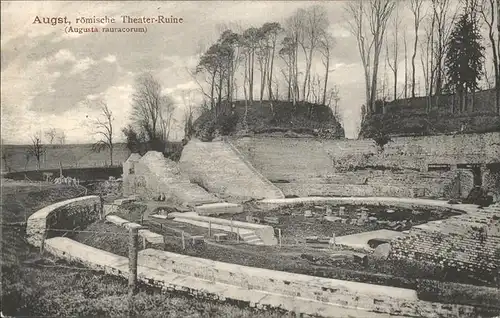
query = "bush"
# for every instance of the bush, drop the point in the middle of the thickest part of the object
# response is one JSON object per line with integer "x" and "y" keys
{"x": 226, "y": 123}
{"x": 269, "y": 117}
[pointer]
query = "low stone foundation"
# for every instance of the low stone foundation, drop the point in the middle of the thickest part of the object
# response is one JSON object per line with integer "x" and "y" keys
{"x": 264, "y": 232}
{"x": 218, "y": 208}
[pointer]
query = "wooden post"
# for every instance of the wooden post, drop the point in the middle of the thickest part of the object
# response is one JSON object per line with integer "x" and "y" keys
{"x": 132, "y": 265}
{"x": 209, "y": 229}
{"x": 42, "y": 246}
{"x": 238, "y": 234}
{"x": 142, "y": 219}
{"x": 279, "y": 235}
{"x": 231, "y": 226}
{"x": 183, "y": 241}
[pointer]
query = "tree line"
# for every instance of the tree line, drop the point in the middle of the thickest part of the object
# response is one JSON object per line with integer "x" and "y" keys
{"x": 447, "y": 36}
{"x": 273, "y": 52}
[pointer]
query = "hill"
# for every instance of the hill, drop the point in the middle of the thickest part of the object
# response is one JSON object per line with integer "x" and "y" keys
{"x": 411, "y": 117}
{"x": 270, "y": 117}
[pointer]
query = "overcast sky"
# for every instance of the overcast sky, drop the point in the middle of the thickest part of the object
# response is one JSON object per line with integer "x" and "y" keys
{"x": 47, "y": 74}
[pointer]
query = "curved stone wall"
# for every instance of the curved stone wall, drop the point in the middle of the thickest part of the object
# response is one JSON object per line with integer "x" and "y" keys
{"x": 68, "y": 215}
{"x": 265, "y": 288}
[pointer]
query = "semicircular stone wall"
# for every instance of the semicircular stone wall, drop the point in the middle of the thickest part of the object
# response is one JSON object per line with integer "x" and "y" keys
{"x": 56, "y": 219}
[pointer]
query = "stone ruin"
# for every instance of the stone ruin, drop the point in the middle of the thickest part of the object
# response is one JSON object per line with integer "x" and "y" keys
{"x": 468, "y": 243}
{"x": 153, "y": 176}
{"x": 67, "y": 181}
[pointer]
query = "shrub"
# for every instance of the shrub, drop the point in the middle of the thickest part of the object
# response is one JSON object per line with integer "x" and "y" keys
{"x": 226, "y": 123}
{"x": 381, "y": 139}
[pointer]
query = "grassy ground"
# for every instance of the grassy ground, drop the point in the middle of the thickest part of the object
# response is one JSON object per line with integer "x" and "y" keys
{"x": 41, "y": 286}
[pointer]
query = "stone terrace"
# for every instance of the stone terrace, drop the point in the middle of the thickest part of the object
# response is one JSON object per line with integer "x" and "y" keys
{"x": 467, "y": 242}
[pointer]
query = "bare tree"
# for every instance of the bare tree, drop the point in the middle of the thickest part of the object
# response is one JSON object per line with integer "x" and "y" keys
{"x": 151, "y": 109}
{"x": 36, "y": 149}
{"x": 427, "y": 57}
{"x": 487, "y": 10}
{"x": 488, "y": 82}
{"x": 314, "y": 26}
{"x": 294, "y": 27}
{"x": 445, "y": 15}
{"x": 396, "y": 24}
{"x": 167, "y": 119}
{"x": 6, "y": 155}
{"x": 333, "y": 100}
{"x": 287, "y": 53}
{"x": 103, "y": 129}
{"x": 189, "y": 105}
{"x": 326, "y": 44}
{"x": 380, "y": 12}
{"x": 355, "y": 11}
{"x": 418, "y": 15}
{"x": 274, "y": 33}
{"x": 377, "y": 12}
{"x": 406, "y": 65}
{"x": 51, "y": 134}
{"x": 61, "y": 137}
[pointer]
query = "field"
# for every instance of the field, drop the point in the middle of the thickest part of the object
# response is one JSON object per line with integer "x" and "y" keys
{"x": 15, "y": 157}
{"x": 38, "y": 285}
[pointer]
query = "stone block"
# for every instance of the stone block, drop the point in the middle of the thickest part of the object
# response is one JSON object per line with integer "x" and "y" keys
{"x": 218, "y": 208}
{"x": 341, "y": 211}
{"x": 220, "y": 237}
{"x": 116, "y": 220}
{"x": 308, "y": 213}
{"x": 109, "y": 209}
{"x": 197, "y": 239}
{"x": 312, "y": 239}
{"x": 382, "y": 251}
{"x": 151, "y": 237}
{"x": 272, "y": 220}
{"x": 123, "y": 201}
{"x": 131, "y": 225}
{"x": 328, "y": 210}
{"x": 333, "y": 219}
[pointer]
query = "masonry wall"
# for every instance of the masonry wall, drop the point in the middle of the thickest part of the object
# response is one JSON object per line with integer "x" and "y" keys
{"x": 311, "y": 157}
{"x": 300, "y": 160}
{"x": 467, "y": 243}
{"x": 71, "y": 214}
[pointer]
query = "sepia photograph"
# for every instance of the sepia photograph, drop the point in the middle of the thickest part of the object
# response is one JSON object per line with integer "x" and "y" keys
{"x": 246, "y": 159}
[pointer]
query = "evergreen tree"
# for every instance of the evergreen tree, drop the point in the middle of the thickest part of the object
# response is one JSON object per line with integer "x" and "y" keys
{"x": 464, "y": 57}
